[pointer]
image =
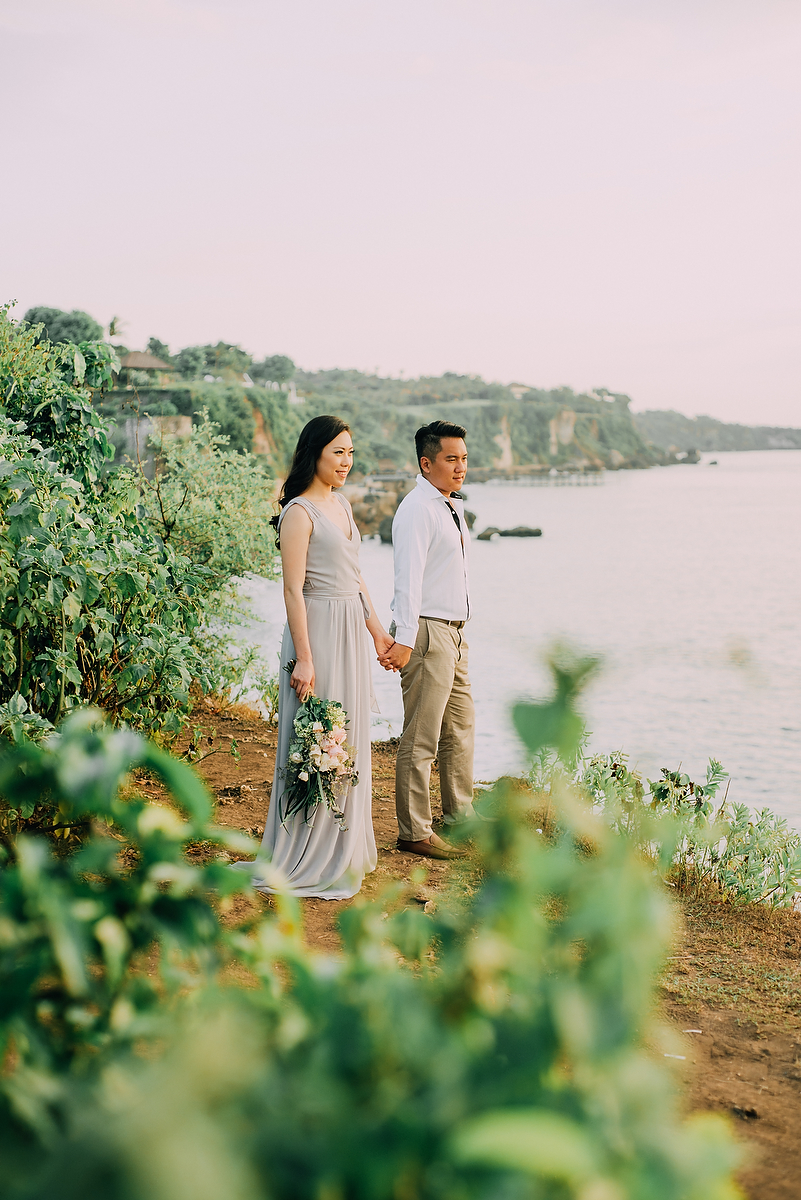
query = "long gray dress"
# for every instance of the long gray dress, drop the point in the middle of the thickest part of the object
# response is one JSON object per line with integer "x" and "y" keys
{"x": 320, "y": 859}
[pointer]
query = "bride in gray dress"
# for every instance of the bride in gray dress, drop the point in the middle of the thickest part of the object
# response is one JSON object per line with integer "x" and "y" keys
{"x": 329, "y": 614}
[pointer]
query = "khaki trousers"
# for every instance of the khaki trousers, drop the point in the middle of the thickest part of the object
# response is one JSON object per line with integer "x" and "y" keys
{"x": 438, "y": 722}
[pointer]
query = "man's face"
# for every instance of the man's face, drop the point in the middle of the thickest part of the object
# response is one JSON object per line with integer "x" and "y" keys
{"x": 448, "y": 469}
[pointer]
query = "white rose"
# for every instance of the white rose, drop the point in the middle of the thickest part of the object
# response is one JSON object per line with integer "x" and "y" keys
{"x": 296, "y": 757}
{"x": 304, "y": 775}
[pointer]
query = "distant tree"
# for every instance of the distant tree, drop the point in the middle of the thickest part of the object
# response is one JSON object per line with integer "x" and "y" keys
{"x": 276, "y": 369}
{"x": 158, "y": 349}
{"x": 60, "y": 326}
{"x": 191, "y": 362}
{"x": 226, "y": 357}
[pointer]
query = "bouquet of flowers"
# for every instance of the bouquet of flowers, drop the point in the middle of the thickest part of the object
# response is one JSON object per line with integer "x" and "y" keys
{"x": 320, "y": 763}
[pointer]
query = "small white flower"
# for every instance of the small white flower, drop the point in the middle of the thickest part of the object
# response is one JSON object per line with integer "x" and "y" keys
{"x": 304, "y": 775}
{"x": 317, "y": 726}
{"x": 163, "y": 820}
{"x": 296, "y": 757}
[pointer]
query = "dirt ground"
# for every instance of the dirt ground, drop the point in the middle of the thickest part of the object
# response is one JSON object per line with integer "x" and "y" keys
{"x": 732, "y": 988}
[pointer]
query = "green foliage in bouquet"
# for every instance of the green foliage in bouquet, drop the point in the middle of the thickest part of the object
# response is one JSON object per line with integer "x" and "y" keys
{"x": 501, "y": 1048}
{"x": 320, "y": 764}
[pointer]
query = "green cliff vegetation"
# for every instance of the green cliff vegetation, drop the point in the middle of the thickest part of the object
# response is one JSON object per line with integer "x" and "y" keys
{"x": 673, "y": 431}
{"x": 261, "y": 405}
{"x": 256, "y": 406}
{"x": 508, "y": 427}
{"x": 246, "y": 399}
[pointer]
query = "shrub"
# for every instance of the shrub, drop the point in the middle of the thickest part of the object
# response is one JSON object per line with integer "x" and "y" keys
{"x": 48, "y": 388}
{"x": 496, "y": 1048}
{"x": 74, "y": 929}
{"x": 106, "y": 600}
{"x": 94, "y": 608}
{"x": 749, "y": 857}
{"x": 213, "y": 505}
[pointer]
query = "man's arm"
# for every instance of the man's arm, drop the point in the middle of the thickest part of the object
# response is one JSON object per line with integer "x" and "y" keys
{"x": 411, "y": 534}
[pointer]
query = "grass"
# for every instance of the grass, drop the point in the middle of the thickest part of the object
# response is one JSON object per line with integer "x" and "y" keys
{"x": 745, "y": 957}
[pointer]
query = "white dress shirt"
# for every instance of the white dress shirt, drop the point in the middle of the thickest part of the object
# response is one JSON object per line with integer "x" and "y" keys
{"x": 431, "y": 560}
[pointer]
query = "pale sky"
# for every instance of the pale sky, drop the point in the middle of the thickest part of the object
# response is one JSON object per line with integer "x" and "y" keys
{"x": 583, "y": 192}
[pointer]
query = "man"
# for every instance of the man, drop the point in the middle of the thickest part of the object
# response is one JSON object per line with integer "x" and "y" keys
{"x": 431, "y": 605}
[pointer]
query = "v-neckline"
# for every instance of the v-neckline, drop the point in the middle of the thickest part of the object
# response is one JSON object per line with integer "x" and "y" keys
{"x": 347, "y": 536}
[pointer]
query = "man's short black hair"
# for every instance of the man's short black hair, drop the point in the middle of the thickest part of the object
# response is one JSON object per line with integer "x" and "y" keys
{"x": 428, "y": 439}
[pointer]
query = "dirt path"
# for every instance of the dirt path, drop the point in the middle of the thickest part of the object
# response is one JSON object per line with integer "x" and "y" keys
{"x": 734, "y": 977}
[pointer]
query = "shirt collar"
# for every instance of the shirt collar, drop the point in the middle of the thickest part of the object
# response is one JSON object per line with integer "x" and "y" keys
{"x": 428, "y": 489}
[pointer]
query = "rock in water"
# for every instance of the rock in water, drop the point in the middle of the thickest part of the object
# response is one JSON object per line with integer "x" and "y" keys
{"x": 518, "y": 531}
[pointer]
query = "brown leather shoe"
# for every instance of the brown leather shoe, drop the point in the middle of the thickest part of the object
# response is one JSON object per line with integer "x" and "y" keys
{"x": 432, "y": 847}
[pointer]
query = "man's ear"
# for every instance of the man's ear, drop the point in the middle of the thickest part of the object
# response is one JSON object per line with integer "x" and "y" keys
{"x": 425, "y": 465}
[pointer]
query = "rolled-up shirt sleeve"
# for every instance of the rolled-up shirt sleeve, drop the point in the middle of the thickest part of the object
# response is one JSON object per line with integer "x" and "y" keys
{"x": 411, "y": 535}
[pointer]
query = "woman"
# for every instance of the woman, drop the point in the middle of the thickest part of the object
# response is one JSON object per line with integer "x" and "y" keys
{"x": 327, "y": 607}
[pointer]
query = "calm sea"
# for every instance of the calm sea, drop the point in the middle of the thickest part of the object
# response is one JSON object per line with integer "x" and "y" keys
{"x": 686, "y": 579}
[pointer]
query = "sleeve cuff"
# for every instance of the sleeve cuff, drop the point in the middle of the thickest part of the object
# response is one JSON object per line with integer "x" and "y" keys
{"x": 406, "y": 635}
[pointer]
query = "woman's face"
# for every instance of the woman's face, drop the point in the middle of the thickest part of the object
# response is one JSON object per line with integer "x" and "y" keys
{"x": 335, "y": 461}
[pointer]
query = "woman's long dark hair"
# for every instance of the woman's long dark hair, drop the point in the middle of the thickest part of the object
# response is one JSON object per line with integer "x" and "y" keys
{"x": 314, "y": 437}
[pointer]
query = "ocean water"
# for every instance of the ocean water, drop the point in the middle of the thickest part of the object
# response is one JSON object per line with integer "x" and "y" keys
{"x": 686, "y": 579}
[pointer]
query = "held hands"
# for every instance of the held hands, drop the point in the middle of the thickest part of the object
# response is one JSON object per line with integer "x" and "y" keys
{"x": 396, "y": 657}
{"x": 383, "y": 644}
{"x": 302, "y": 679}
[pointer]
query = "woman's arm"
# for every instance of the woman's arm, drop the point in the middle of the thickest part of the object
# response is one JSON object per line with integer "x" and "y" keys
{"x": 382, "y": 639}
{"x": 296, "y": 529}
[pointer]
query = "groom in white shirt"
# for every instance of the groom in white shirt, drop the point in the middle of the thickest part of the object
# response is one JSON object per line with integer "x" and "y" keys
{"x": 431, "y": 605}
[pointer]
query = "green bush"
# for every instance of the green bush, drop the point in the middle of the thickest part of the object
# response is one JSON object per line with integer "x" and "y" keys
{"x": 94, "y": 607}
{"x": 96, "y": 945}
{"x": 502, "y": 1047}
{"x": 46, "y": 387}
{"x": 114, "y": 590}
{"x": 750, "y": 858}
{"x": 212, "y": 505}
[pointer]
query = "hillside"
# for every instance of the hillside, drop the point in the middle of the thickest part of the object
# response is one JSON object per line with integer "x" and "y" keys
{"x": 673, "y": 431}
{"x": 508, "y": 427}
{"x": 255, "y": 418}
{"x": 261, "y": 406}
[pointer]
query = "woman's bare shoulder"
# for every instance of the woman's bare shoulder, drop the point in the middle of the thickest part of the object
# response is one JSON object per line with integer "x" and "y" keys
{"x": 296, "y": 519}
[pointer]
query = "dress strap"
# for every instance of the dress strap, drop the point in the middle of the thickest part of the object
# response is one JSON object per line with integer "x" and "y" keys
{"x": 311, "y": 509}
